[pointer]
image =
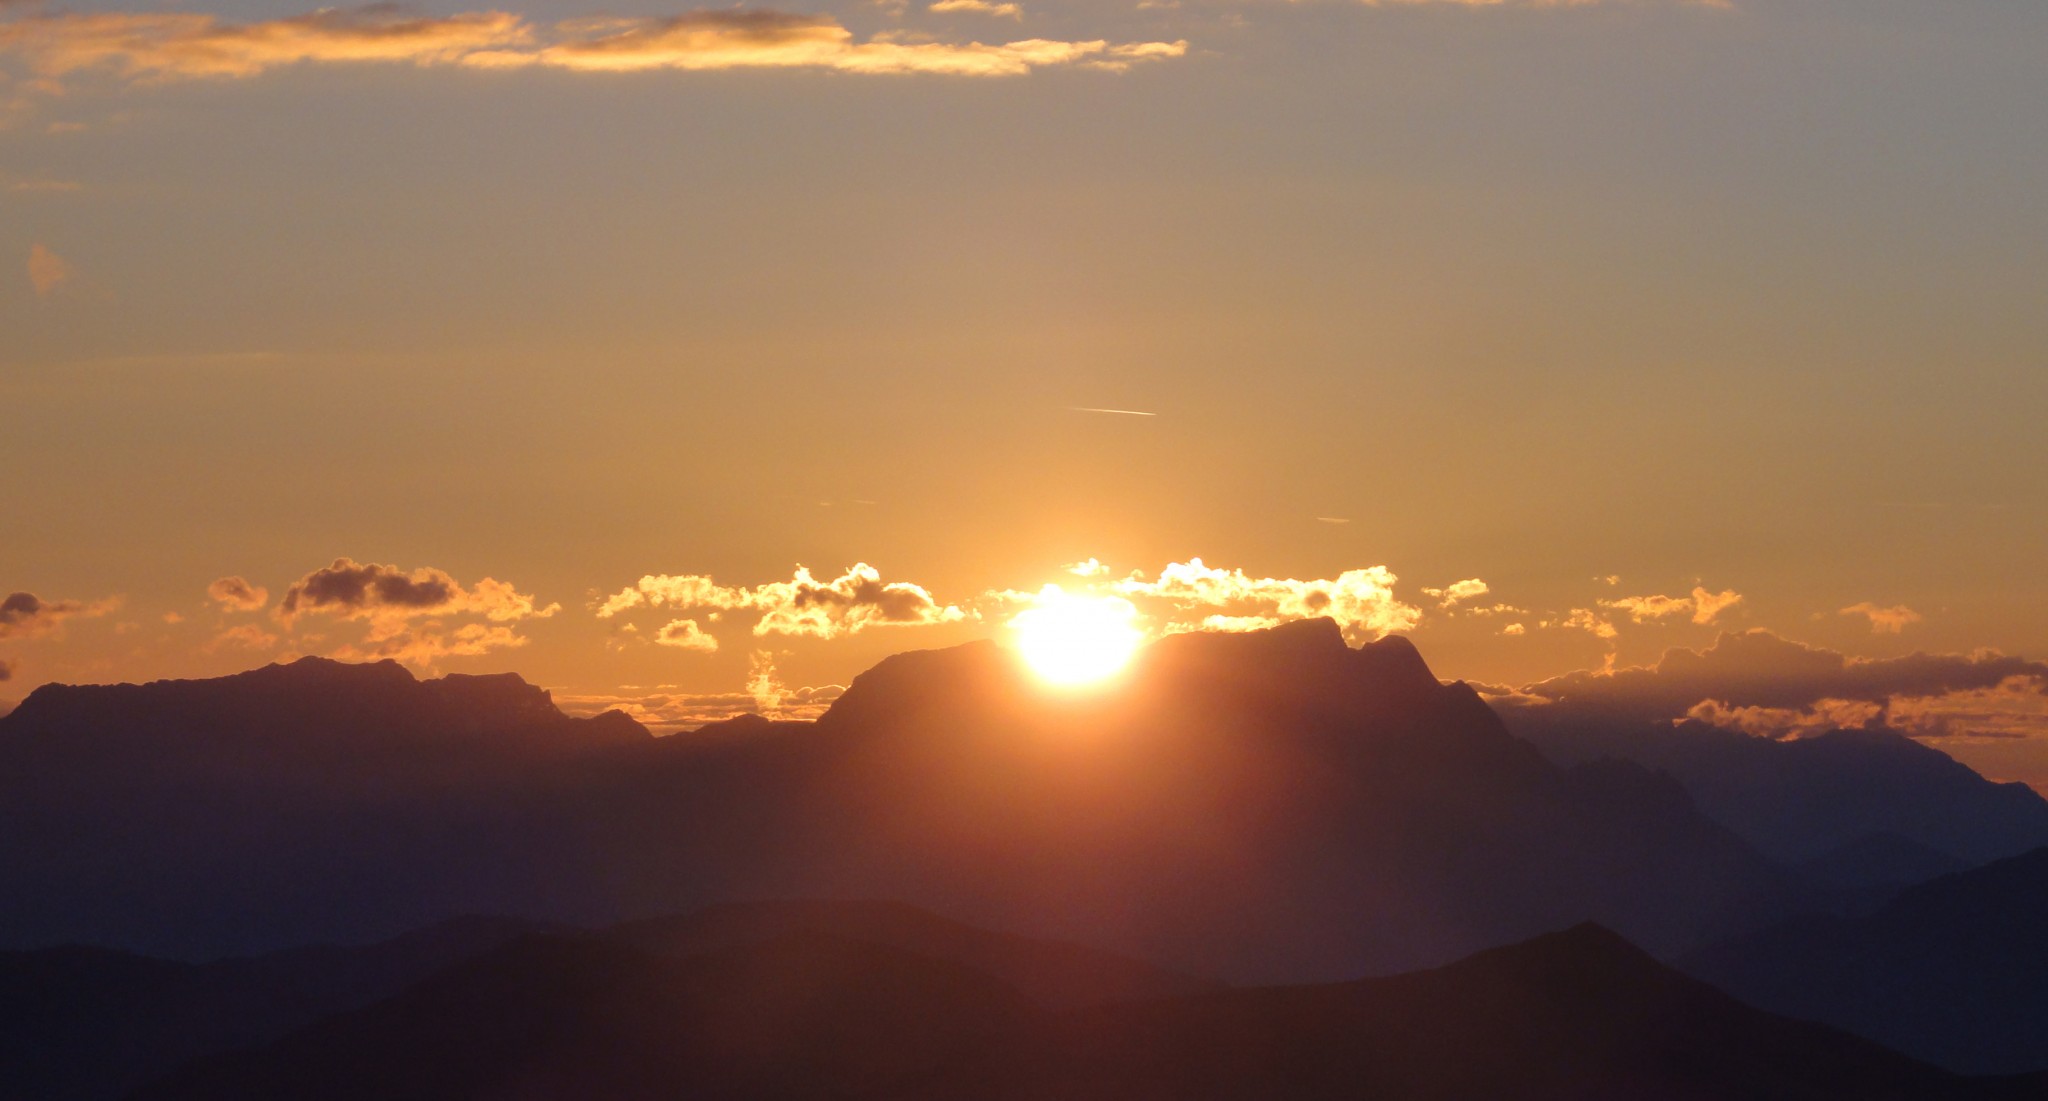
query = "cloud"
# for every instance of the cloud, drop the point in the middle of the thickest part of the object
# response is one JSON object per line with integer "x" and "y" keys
{"x": 757, "y": 39}
{"x": 1451, "y": 595}
{"x": 979, "y": 7}
{"x": 1787, "y": 722}
{"x": 349, "y": 590}
{"x": 46, "y": 270}
{"x": 236, "y": 594}
{"x": 1884, "y": 621}
{"x": 667, "y": 711}
{"x": 1763, "y": 684}
{"x": 1585, "y": 619}
{"x": 1540, "y": 5}
{"x": 246, "y": 636}
{"x": 161, "y": 46}
{"x": 6, "y": 670}
{"x": 170, "y": 45}
{"x": 408, "y": 612}
{"x": 1361, "y": 601}
{"x": 1701, "y": 607}
{"x": 804, "y": 605}
{"x": 684, "y": 634}
{"x": 24, "y": 615}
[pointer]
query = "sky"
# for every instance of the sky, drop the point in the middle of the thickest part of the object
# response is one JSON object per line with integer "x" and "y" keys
{"x": 692, "y": 360}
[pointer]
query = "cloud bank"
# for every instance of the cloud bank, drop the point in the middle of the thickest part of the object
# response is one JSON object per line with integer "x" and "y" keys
{"x": 1765, "y": 685}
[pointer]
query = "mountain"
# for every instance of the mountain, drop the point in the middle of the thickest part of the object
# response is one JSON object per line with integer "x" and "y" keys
{"x": 1049, "y": 973}
{"x": 304, "y": 803}
{"x": 548, "y": 1017}
{"x": 1579, "y": 1014}
{"x": 1954, "y": 971}
{"x": 1266, "y": 806}
{"x": 78, "y": 1023}
{"x": 1799, "y": 799}
{"x": 81, "y": 1024}
{"x": 1883, "y": 862}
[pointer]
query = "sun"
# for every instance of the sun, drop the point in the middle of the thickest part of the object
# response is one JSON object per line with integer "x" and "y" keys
{"x": 1075, "y": 640}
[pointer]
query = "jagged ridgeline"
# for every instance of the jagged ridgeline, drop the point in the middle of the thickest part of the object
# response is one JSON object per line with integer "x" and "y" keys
{"x": 1273, "y": 805}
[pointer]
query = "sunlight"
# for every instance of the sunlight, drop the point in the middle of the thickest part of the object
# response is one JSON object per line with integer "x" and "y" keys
{"x": 1074, "y": 640}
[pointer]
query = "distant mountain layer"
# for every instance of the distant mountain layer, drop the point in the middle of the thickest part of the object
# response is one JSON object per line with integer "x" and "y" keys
{"x": 1579, "y": 1014}
{"x": 1954, "y": 971}
{"x": 1272, "y": 805}
{"x": 90, "y": 1024}
{"x": 1798, "y": 800}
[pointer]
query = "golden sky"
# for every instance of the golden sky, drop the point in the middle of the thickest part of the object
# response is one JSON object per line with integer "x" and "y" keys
{"x": 697, "y": 358}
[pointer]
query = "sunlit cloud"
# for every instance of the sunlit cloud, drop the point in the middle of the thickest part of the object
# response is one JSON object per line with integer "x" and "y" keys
{"x": 856, "y": 600}
{"x": 1361, "y": 601}
{"x": 1788, "y": 722}
{"x": 1542, "y": 5}
{"x": 1884, "y": 621}
{"x": 1702, "y": 606}
{"x": 1585, "y": 619}
{"x": 979, "y": 7}
{"x": 1458, "y": 592}
{"x": 167, "y": 45}
{"x": 238, "y": 594}
{"x": 146, "y": 47}
{"x": 685, "y": 634}
{"x": 47, "y": 271}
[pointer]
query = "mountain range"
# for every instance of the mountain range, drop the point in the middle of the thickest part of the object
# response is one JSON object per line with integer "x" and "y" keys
{"x": 1265, "y": 806}
{"x": 1576, "y": 1014}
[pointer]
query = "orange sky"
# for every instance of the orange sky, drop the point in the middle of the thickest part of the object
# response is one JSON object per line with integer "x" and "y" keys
{"x": 1624, "y": 310}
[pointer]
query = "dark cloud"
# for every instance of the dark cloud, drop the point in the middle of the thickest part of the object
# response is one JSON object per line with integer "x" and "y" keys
{"x": 1763, "y": 684}
{"x": 24, "y": 615}
{"x": 6, "y": 670}
{"x": 237, "y": 594}
{"x": 348, "y": 588}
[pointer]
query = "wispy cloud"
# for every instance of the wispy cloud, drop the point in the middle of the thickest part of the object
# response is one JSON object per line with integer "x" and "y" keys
{"x": 1702, "y": 606}
{"x": 160, "y": 46}
{"x": 1884, "y": 621}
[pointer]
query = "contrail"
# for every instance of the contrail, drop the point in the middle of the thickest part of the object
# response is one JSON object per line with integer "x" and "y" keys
{"x": 1117, "y": 412}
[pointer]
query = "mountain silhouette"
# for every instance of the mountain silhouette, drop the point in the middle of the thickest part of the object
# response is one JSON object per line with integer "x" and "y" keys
{"x": 1268, "y": 806}
{"x": 79, "y": 1024}
{"x": 1049, "y": 973}
{"x": 1800, "y": 799}
{"x": 83, "y": 1024}
{"x": 315, "y": 802}
{"x": 1578, "y": 1014}
{"x": 1953, "y": 971}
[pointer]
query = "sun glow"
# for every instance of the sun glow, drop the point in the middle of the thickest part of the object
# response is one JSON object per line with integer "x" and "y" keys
{"x": 1075, "y": 640}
